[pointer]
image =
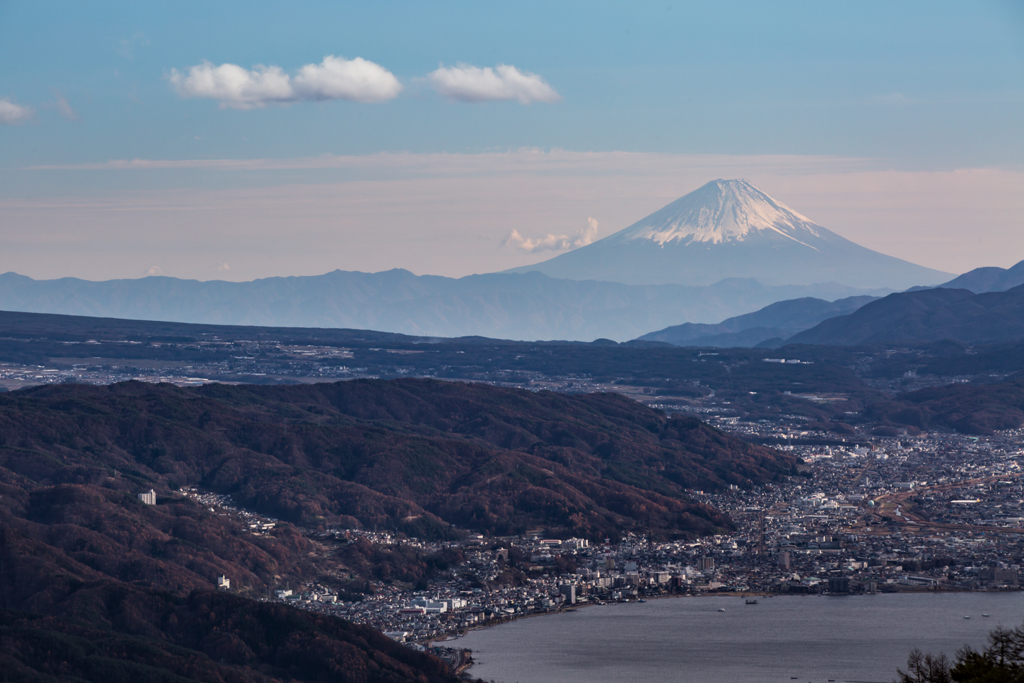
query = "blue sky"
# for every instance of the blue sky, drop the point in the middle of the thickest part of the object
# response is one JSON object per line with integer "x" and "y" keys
{"x": 911, "y": 87}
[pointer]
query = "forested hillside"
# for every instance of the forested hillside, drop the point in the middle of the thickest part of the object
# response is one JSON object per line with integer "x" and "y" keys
{"x": 412, "y": 455}
{"x": 95, "y": 585}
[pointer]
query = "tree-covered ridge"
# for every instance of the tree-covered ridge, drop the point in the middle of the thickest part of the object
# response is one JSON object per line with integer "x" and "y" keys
{"x": 412, "y": 455}
{"x": 203, "y": 636}
{"x": 966, "y": 408}
{"x": 97, "y": 586}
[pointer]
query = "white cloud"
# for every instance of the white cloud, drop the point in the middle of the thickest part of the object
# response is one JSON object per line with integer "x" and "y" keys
{"x": 357, "y": 79}
{"x": 154, "y": 270}
{"x": 554, "y": 242}
{"x": 13, "y": 114}
{"x": 347, "y": 79}
{"x": 234, "y": 86}
{"x": 468, "y": 83}
{"x": 223, "y": 267}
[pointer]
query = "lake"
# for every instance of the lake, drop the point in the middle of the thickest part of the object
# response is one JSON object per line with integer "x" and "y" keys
{"x": 811, "y": 638}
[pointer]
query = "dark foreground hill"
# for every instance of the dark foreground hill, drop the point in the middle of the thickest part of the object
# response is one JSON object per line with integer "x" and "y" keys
{"x": 96, "y": 586}
{"x": 210, "y": 637}
{"x": 926, "y": 315}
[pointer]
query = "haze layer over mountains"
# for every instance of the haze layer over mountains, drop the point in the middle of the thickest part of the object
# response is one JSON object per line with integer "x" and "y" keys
{"x": 724, "y": 250}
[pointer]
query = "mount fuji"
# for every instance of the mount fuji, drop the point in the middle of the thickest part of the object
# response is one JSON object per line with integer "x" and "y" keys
{"x": 731, "y": 229}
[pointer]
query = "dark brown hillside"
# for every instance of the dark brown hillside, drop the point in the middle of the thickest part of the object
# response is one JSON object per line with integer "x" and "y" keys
{"x": 204, "y": 636}
{"x": 58, "y": 536}
{"x": 966, "y": 408}
{"x": 125, "y": 588}
{"x": 95, "y": 585}
{"x": 413, "y": 455}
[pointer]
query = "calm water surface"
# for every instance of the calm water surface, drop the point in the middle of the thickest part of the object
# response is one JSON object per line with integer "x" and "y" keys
{"x": 816, "y": 639}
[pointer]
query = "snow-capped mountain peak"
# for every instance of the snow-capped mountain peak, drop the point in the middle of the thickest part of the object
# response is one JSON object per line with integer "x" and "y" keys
{"x": 731, "y": 229}
{"x": 722, "y": 211}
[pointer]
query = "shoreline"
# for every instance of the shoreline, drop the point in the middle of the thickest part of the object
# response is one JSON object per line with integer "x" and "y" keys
{"x": 451, "y": 640}
{"x": 512, "y": 649}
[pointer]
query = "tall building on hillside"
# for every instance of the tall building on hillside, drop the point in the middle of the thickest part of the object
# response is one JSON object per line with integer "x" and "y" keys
{"x": 148, "y": 498}
{"x": 705, "y": 563}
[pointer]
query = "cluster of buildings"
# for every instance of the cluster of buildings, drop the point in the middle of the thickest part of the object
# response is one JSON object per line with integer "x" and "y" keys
{"x": 939, "y": 512}
{"x": 229, "y": 361}
{"x": 223, "y": 505}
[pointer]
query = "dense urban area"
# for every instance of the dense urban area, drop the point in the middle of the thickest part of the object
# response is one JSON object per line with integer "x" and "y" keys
{"x": 938, "y": 512}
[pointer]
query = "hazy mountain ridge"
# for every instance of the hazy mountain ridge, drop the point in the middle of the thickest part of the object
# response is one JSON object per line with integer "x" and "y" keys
{"x": 729, "y": 228}
{"x": 530, "y": 306}
{"x": 779, "y": 320}
{"x": 703, "y": 258}
{"x": 926, "y": 315}
{"x": 988, "y": 279}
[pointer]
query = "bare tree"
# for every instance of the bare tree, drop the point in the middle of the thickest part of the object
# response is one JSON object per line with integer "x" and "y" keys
{"x": 922, "y": 668}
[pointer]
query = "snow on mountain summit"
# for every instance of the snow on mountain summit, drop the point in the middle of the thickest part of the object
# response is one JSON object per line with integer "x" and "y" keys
{"x": 722, "y": 211}
{"x": 731, "y": 229}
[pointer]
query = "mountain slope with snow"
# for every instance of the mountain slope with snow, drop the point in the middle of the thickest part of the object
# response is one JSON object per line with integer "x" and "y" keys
{"x": 729, "y": 228}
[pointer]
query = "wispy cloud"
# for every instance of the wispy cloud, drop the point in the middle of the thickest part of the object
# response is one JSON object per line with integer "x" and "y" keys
{"x": 126, "y": 47}
{"x": 154, "y": 270}
{"x": 549, "y": 242}
{"x": 669, "y": 166}
{"x": 63, "y": 106}
{"x": 467, "y": 83}
{"x": 12, "y": 114}
{"x": 334, "y": 78}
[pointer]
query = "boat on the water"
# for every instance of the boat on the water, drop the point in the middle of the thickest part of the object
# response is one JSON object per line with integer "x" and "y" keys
{"x": 751, "y": 602}
{"x": 721, "y": 609}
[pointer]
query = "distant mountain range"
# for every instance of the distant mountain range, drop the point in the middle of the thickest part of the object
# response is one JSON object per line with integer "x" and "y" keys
{"x": 780, "y": 321}
{"x": 729, "y": 228}
{"x": 523, "y": 307}
{"x": 714, "y": 255}
{"x": 775, "y": 321}
{"x": 926, "y": 315}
